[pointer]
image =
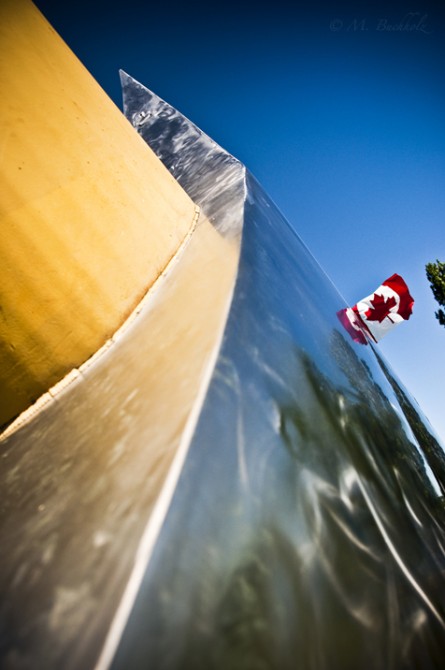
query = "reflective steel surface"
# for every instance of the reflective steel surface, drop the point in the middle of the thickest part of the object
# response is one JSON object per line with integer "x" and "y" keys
{"x": 307, "y": 528}
{"x": 304, "y": 527}
{"x": 213, "y": 178}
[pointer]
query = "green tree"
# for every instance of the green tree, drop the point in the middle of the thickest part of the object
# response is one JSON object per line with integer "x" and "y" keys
{"x": 435, "y": 273}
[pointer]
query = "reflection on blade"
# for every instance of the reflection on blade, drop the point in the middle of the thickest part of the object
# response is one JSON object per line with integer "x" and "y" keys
{"x": 307, "y": 526}
{"x": 213, "y": 179}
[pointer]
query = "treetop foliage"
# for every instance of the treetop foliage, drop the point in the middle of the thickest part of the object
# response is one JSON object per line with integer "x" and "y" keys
{"x": 435, "y": 273}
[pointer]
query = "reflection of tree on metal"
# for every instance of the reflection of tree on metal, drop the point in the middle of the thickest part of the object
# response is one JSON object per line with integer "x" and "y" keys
{"x": 378, "y": 313}
{"x": 430, "y": 446}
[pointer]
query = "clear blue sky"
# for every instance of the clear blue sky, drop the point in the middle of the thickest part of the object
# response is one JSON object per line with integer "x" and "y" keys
{"x": 341, "y": 119}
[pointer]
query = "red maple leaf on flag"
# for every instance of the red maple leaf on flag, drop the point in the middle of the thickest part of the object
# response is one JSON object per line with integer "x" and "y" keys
{"x": 381, "y": 307}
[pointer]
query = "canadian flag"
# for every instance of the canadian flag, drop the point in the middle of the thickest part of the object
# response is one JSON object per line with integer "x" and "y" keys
{"x": 374, "y": 316}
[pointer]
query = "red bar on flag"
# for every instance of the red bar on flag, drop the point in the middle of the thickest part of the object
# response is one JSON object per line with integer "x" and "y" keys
{"x": 378, "y": 313}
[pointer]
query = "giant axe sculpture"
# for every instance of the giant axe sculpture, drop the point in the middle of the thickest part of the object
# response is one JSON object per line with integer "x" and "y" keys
{"x": 199, "y": 467}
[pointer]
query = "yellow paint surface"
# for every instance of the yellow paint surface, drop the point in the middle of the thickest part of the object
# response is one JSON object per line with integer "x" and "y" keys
{"x": 89, "y": 216}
